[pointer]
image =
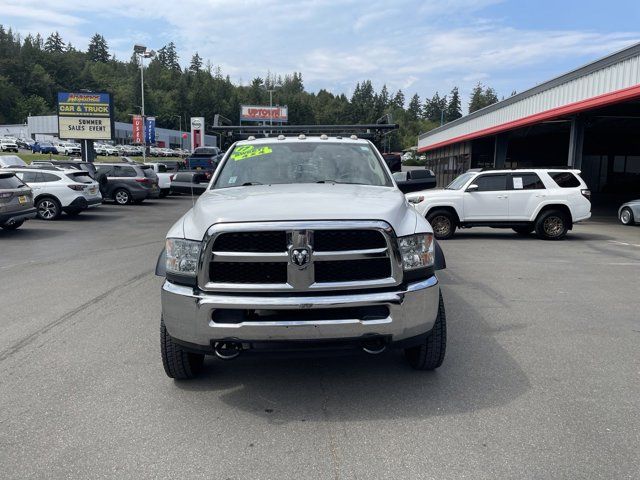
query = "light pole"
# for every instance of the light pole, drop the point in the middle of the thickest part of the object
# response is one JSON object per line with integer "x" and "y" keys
{"x": 271, "y": 90}
{"x": 142, "y": 53}
{"x": 180, "y": 122}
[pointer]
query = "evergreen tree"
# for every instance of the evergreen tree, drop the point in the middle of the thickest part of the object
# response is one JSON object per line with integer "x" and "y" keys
{"x": 98, "y": 50}
{"x": 490, "y": 96}
{"x": 196, "y": 63}
{"x": 454, "y": 108}
{"x": 415, "y": 108}
{"x": 476, "y": 102}
{"x": 398, "y": 100}
{"x": 54, "y": 43}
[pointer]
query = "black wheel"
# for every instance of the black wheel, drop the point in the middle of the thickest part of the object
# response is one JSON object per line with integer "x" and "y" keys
{"x": 13, "y": 226}
{"x": 48, "y": 208}
{"x": 430, "y": 354}
{"x": 523, "y": 230}
{"x": 443, "y": 223}
{"x": 177, "y": 362}
{"x": 626, "y": 216}
{"x": 551, "y": 225}
{"x": 122, "y": 196}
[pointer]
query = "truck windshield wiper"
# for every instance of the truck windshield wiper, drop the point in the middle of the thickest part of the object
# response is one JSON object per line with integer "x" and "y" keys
{"x": 333, "y": 181}
{"x": 248, "y": 184}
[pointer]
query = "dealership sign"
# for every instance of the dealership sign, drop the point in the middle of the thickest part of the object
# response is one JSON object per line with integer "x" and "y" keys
{"x": 138, "y": 129}
{"x": 85, "y": 116}
{"x": 256, "y": 113}
{"x": 150, "y": 130}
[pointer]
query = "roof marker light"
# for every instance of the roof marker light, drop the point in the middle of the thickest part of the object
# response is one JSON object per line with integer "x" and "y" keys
{"x": 324, "y": 137}
{"x": 353, "y": 137}
{"x": 302, "y": 136}
{"x": 281, "y": 137}
{"x": 251, "y": 137}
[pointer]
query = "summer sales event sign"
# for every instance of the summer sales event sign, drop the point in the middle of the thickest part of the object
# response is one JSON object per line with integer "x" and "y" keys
{"x": 85, "y": 116}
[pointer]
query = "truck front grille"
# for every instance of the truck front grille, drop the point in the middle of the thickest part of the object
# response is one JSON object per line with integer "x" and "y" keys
{"x": 300, "y": 256}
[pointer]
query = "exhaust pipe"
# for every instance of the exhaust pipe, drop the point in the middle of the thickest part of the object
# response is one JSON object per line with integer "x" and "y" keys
{"x": 374, "y": 347}
{"x": 227, "y": 350}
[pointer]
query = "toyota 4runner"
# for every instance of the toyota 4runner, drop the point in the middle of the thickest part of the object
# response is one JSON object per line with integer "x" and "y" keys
{"x": 298, "y": 243}
{"x": 549, "y": 201}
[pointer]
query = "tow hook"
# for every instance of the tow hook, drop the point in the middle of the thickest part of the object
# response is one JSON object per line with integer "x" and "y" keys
{"x": 374, "y": 346}
{"x": 227, "y": 350}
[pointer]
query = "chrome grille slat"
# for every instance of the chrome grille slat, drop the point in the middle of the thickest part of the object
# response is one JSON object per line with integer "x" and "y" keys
{"x": 359, "y": 264}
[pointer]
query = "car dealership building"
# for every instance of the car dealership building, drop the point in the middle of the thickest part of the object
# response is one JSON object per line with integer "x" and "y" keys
{"x": 587, "y": 119}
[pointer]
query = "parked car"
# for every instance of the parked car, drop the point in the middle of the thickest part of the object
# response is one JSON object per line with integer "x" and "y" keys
{"x": 68, "y": 149}
{"x": 11, "y": 161}
{"x": 164, "y": 177}
{"x": 16, "y": 201}
{"x": 282, "y": 252}
{"x": 60, "y": 190}
{"x": 88, "y": 167}
{"x": 127, "y": 183}
{"x": 189, "y": 183}
{"x": 44, "y": 147}
{"x": 7, "y": 145}
{"x": 204, "y": 158}
{"x": 549, "y": 201}
{"x": 171, "y": 164}
{"x": 629, "y": 213}
{"x": 24, "y": 143}
{"x": 105, "y": 150}
{"x": 415, "y": 180}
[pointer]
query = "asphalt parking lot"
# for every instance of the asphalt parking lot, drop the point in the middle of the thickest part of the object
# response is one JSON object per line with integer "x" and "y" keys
{"x": 541, "y": 378}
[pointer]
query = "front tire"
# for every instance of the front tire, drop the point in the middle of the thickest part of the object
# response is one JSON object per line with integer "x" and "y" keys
{"x": 626, "y": 216}
{"x": 48, "y": 208}
{"x": 443, "y": 223}
{"x": 177, "y": 362}
{"x": 552, "y": 225}
{"x": 430, "y": 354}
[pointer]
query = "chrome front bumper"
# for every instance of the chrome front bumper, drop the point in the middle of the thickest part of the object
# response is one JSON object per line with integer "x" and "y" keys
{"x": 187, "y": 314}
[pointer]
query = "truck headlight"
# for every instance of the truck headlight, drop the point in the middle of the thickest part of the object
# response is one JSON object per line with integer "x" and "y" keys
{"x": 182, "y": 256}
{"x": 417, "y": 251}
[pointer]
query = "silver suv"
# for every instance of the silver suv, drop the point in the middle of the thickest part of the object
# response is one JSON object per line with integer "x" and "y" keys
{"x": 300, "y": 243}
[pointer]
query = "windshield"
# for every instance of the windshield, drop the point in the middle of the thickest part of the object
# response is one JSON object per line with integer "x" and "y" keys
{"x": 459, "y": 182}
{"x": 303, "y": 162}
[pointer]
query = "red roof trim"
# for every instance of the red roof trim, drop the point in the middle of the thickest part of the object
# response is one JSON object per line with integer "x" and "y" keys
{"x": 582, "y": 105}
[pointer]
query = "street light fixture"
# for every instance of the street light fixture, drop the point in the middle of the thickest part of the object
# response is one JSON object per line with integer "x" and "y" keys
{"x": 141, "y": 52}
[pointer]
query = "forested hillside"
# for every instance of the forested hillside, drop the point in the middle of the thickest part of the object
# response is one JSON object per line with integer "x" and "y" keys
{"x": 33, "y": 69}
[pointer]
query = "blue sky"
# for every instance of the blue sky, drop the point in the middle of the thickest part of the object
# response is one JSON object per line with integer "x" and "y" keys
{"x": 419, "y": 46}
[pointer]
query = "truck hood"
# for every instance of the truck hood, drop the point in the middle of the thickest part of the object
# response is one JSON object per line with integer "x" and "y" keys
{"x": 299, "y": 202}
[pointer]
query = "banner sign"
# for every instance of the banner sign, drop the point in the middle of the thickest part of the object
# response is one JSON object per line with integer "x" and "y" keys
{"x": 85, "y": 116}
{"x": 256, "y": 113}
{"x": 138, "y": 129}
{"x": 197, "y": 132}
{"x": 150, "y": 130}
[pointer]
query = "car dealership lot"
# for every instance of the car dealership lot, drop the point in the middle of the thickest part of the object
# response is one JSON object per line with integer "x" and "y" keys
{"x": 541, "y": 378}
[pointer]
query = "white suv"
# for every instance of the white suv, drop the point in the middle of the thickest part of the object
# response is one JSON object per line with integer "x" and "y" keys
{"x": 60, "y": 190}
{"x": 68, "y": 148}
{"x": 8, "y": 145}
{"x": 548, "y": 201}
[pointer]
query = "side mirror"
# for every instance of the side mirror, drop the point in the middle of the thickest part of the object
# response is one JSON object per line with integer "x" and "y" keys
{"x": 472, "y": 188}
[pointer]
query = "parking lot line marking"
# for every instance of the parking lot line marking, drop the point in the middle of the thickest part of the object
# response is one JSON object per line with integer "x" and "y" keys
{"x": 624, "y": 243}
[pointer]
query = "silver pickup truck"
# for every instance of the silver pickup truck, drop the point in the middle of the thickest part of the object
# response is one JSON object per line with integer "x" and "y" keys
{"x": 300, "y": 243}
